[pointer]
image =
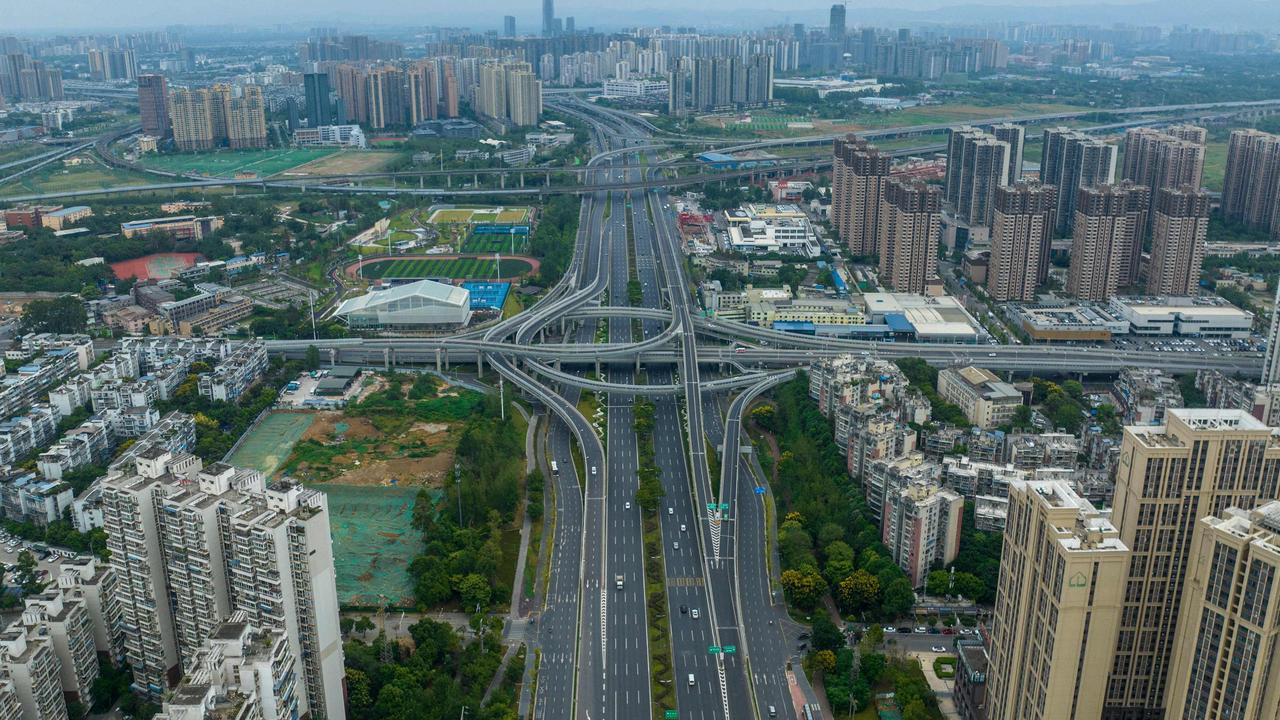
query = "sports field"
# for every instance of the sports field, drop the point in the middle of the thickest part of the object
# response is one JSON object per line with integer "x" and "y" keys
{"x": 457, "y": 268}
{"x": 480, "y": 216}
{"x": 226, "y": 163}
{"x": 268, "y": 444}
{"x": 494, "y": 243}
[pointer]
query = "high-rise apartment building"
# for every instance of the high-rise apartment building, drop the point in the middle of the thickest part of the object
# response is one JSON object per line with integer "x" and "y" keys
{"x": 191, "y": 545}
{"x": 836, "y": 23}
{"x": 29, "y": 661}
{"x": 108, "y": 65}
{"x": 385, "y": 90}
{"x": 977, "y": 164}
{"x": 509, "y": 26}
{"x": 509, "y": 92}
{"x": 1223, "y": 654}
{"x": 1109, "y": 221}
{"x": 246, "y": 118}
{"x": 319, "y": 107}
{"x": 204, "y": 118}
{"x": 1271, "y": 363}
{"x": 190, "y": 113}
{"x": 22, "y": 78}
{"x": 1072, "y": 160}
{"x": 1161, "y": 160}
{"x": 1021, "y": 231}
{"x": 153, "y": 104}
{"x": 424, "y": 98}
{"x": 921, "y": 527}
{"x": 859, "y": 171}
{"x": 1251, "y": 186}
{"x": 1177, "y": 240}
{"x": 1058, "y": 605}
{"x": 1016, "y": 137}
{"x": 62, "y": 616}
{"x": 1199, "y": 463}
{"x": 910, "y": 224}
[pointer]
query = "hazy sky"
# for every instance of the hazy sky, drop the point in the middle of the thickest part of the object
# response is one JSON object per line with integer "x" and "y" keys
{"x": 487, "y": 14}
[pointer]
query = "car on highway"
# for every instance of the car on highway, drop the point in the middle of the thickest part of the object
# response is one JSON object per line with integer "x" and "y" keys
{"x": 938, "y": 648}
{"x": 671, "y": 511}
{"x": 904, "y": 630}
{"x": 684, "y": 609}
{"x": 627, "y": 506}
{"x": 694, "y": 613}
{"x": 593, "y": 469}
{"x": 675, "y": 545}
{"x": 682, "y": 528}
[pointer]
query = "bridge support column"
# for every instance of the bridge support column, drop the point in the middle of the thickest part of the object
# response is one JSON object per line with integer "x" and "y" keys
{"x": 448, "y": 181}
{"x": 521, "y": 179}
{"x": 557, "y": 363}
{"x": 637, "y": 370}
{"x": 333, "y": 357}
{"x": 502, "y": 181}
{"x": 597, "y": 367}
{"x": 438, "y": 365}
{"x": 422, "y": 179}
{"x": 548, "y": 178}
{"x": 475, "y": 179}
{"x": 386, "y": 359}
{"x": 480, "y": 365}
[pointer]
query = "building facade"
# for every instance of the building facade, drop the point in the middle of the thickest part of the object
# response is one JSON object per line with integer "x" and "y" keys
{"x": 910, "y": 226}
{"x": 1179, "y": 230}
{"x": 1109, "y": 223}
{"x": 1020, "y": 236}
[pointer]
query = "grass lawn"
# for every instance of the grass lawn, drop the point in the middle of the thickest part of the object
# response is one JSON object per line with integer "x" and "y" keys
{"x": 21, "y": 151}
{"x": 89, "y": 176}
{"x": 944, "y": 667}
{"x": 456, "y": 268}
{"x": 480, "y": 215}
{"x": 1215, "y": 164}
{"x": 226, "y": 163}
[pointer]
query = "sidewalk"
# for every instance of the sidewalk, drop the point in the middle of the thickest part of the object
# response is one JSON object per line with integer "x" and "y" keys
{"x": 941, "y": 687}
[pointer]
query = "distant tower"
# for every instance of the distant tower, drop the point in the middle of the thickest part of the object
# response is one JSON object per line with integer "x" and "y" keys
{"x": 548, "y": 18}
{"x": 508, "y": 25}
{"x": 1271, "y": 368}
{"x": 835, "y": 29}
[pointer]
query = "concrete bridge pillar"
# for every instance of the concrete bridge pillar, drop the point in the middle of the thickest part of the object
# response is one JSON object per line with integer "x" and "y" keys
{"x": 548, "y": 180}
{"x": 521, "y": 179}
{"x": 422, "y": 179}
{"x": 637, "y": 369}
{"x": 448, "y": 180}
{"x": 333, "y": 357}
{"x": 475, "y": 179}
{"x": 386, "y": 359}
{"x": 438, "y": 365}
{"x": 480, "y": 365}
{"x": 597, "y": 367}
{"x": 446, "y": 359}
{"x": 502, "y": 181}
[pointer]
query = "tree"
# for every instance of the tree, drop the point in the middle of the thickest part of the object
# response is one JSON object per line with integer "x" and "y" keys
{"x": 897, "y": 599}
{"x": 650, "y": 492}
{"x": 859, "y": 592}
{"x": 826, "y": 636}
{"x": 824, "y": 661}
{"x": 938, "y": 583}
{"x": 474, "y": 591}
{"x": 312, "y": 361}
{"x": 968, "y": 585}
{"x": 26, "y": 574}
{"x": 804, "y": 586}
{"x": 363, "y": 624}
{"x": 59, "y": 315}
{"x": 915, "y": 710}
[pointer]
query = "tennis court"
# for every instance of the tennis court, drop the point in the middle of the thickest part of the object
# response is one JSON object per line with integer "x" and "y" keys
{"x": 268, "y": 444}
{"x": 373, "y": 543}
{"x": 487, "y": 296}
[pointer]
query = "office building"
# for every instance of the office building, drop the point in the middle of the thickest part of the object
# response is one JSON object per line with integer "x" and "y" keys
{"x": 1199, "y": 463}
{"x": 1177, "y": 240}
{"x": 836, "y": 24}
{"x": 1021, "y": 231}
{"x": 909, "y": 228}
{"x": 191, "y": 545}
{"x": 1251, "y": 186}
{"x": 1109, "y": 220}
{"x": 977, "y": 164}
{"x": 509, "y": 26}
{"x": 153, "y": 103}
{"x": 1058, "y": 604}
{"x": 548, "y": 18}
{"x": 1223, "y": 653}
{"x": 921, "y": 527}
{"x": 1162, "y": 160}
{"x": 1072, "y": 160}
{"x": 319, "y": 106}
{"x": 987, "y": 401}
{"x": 1016, "y": 137}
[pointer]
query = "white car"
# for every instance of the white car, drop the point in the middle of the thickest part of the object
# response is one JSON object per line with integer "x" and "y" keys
{"x": 675, "y": 546}
{"x": 671, "y": 511}
{"x": 938, "y": 649}
{"x": 694, "y": 613}
{"x": 628, "y": 506}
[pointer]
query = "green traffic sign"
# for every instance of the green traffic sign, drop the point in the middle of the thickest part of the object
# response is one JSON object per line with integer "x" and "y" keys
{"x": 671, "y": 715}
{"x": 724, "y": 506}
{"x": 730, "y": 649}
{"x": 714, "y": 649}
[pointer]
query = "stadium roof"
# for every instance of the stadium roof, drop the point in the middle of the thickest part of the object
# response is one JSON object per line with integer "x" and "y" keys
{"x": 430, "y": 289}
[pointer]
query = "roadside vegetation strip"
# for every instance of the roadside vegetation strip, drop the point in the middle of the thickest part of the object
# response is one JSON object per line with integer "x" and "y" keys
{"x": 649, "y": 499}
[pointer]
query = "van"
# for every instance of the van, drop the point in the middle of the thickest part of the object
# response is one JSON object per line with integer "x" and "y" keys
{"x": 690, "y": 679}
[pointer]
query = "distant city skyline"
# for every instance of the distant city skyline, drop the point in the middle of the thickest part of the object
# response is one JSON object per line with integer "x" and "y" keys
{"x": 76, "y": 15}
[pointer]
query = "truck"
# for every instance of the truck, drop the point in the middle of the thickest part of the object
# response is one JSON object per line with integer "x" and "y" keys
{"x": 617, "y": 581}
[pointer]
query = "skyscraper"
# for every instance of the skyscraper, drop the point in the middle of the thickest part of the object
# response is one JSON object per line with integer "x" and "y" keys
{"x": 977, "y": 164}
{"x": 836, "y": 26}
{"x": 1109, "y": 220}
{"x": 1058, "y": 603}
{"x": 1072, "y": 160}
{"x": 1271, "y": 364}
{"x": 910, "y": 223}
{"x": 1162, "y": 160}
{"x": 1251, "y": 186}
{"x": 153, "y": 103}
{"x": 1222, "y": 654}
{"x": 509, "y": 26}
{"x": 1016, "y": 137}
{"x": 1197, "y": 464}
{"x": 319, "y": 108}
{"x": 247, "y": 119}
{"x": 1020, "y": 235}
{"x": 424, "y": 101}
{"x": 189, "y": 111}
{"x": 386, "y": 97}
{"x": 548, "y": 18}
{"x": 1177, "y": 241}
{"x": 859, "y": 171}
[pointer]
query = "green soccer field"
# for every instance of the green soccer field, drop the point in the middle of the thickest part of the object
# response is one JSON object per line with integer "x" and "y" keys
{"x": 494, "y": 243}
{"x": 480, "y": 215}
{"x": 454, "y": 268}
{"x": 227, "y": 163}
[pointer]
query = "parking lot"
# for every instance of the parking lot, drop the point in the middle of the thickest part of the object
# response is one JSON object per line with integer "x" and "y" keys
{"x": 48, "y": 559}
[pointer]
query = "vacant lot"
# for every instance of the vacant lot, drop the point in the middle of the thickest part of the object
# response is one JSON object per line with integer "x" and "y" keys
{"x": 346, "y": 162}
{"x": 457, "y": 268}
{"x": 226, "y": 163}
{"x": 769, "y": 123}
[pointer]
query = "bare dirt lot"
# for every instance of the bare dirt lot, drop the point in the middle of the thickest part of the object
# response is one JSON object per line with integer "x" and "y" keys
{"x": 346, "y": 161}
{"x": 358, "y": 454}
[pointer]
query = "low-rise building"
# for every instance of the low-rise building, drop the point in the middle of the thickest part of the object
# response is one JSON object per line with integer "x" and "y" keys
{"x": 422, "y": 305}
{"x": 987, "y": 401}
{"x": 972, "y": 478}
{"x": 1145, "y": 393}
{"x": 180, "y": 227}
{"x": 1202, "y": 316}
{"x": 923, "y": 318}
{"x": 1223, "y": 391}
{"x": 65, "y": 217}
{"x": 1066, "y": 322}
{"x": 331, "y": 136}
{"x": 761, "y": 229}
{"x": 1030, "y": 451}
{"x": 27, "y": 497}
{"x": 237, "y": 373}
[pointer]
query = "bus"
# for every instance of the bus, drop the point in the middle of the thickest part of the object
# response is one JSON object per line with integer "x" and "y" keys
{"x": 555, "y": 469}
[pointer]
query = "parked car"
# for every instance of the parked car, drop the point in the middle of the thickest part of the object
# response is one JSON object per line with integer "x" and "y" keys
{"x": 938, "y": 648}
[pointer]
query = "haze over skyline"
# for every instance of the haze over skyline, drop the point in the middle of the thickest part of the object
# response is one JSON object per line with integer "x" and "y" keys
{"x": 84, "y": 14}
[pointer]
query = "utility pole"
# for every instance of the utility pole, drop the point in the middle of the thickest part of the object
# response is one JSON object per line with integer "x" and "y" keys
{"x": 457, "y": 480}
